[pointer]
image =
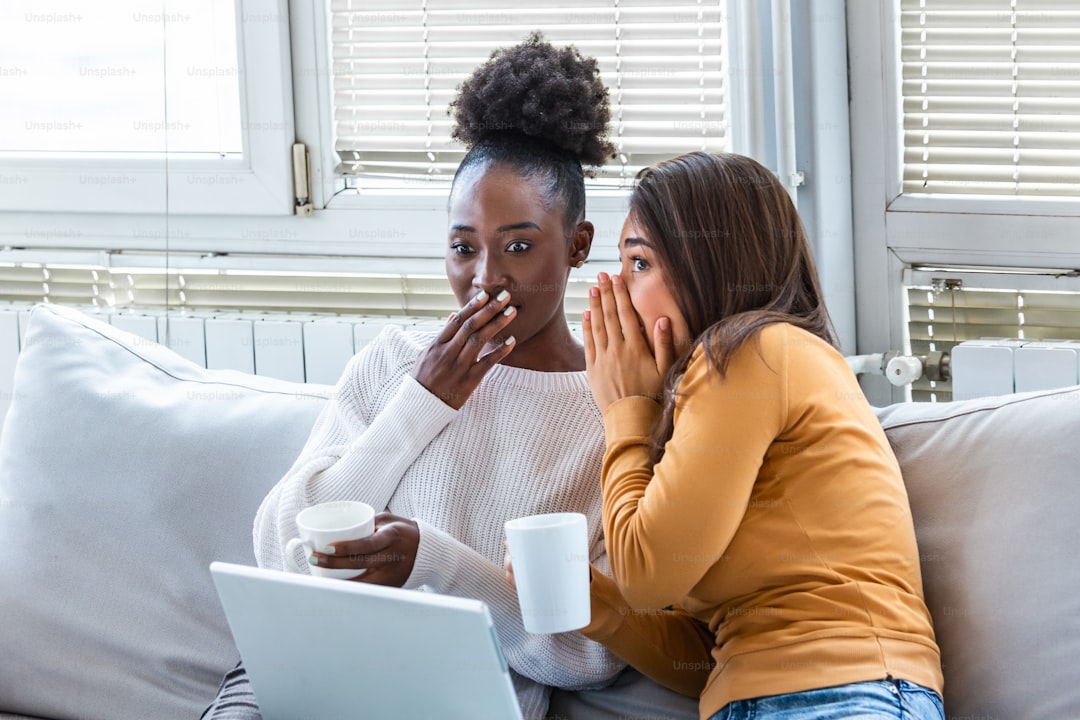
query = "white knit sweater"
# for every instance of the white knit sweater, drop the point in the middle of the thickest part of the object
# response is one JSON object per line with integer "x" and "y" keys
{"x": 525, "y": 442}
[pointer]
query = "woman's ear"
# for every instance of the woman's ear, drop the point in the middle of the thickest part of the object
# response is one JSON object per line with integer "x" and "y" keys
{"x": 581, "y": 243}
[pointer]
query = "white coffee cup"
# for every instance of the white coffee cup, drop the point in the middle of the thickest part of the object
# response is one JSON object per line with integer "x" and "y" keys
{"x": 550, "y": 557}
{"x": 325, "y": 523}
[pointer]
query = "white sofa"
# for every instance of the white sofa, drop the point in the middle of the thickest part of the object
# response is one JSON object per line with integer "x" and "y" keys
{"x": 125, "y": 470}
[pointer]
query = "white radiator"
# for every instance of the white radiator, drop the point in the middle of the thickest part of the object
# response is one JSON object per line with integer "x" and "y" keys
{"x": 999, "y": 366}
{"x": 298, "y": 348}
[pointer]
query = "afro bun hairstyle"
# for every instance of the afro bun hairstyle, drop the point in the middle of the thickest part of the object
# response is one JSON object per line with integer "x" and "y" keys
{"x": 541, "y": 92}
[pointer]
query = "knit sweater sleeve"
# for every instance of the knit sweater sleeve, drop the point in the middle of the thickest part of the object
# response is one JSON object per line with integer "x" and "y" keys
{"x": 347, "y": 457}
{"x": 567, "y": 660}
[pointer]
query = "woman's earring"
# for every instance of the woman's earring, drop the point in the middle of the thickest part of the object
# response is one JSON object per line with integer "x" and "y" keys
{"x": 580, "y": 264}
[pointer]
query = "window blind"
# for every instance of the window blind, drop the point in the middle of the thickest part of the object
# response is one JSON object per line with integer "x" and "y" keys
{"x": 947, "y": 306}
{"x": 244, "y": 284}
{"x": 395, "y": 72}
{"x": 991, "y": 97}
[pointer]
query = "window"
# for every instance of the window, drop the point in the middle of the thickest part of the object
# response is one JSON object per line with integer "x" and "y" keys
{"x": 991, "y": 98}
{"x": 197, "y": 283}
{"x": 122, "y": 245}
{"x": 947, "y": 306}
{"x": 365, "y": 98}
{"x": 395, "y": 73}
{"x": 110, "y": 101}
{"x": 166, "y": 117}
{"x": 965, "y": 140}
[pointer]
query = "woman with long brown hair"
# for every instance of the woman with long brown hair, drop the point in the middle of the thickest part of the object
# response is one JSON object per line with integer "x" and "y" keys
{"x": 757, "y": 525}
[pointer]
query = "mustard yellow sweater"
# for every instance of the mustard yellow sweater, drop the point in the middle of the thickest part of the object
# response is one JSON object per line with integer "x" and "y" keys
{"x": 772, "y": 549}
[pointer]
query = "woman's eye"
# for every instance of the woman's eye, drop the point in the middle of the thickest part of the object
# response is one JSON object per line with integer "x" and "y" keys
{"x": 460, "y": 248}
{"x": 639, "y": 264}
{"x": 518, "y": 246}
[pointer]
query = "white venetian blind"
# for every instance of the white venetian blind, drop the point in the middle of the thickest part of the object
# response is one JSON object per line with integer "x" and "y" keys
{"x": 198, "y": 282}
{"x": 396, "y": 67}
{"x": 947, "y": 306}
{"x": 991, "y": 97}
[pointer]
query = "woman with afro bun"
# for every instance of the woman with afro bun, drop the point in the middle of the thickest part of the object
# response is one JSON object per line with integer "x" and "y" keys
{"x": 453, "y": 433}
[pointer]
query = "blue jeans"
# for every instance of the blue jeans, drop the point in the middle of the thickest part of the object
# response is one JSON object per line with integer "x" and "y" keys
{"x": 874, "y": 700}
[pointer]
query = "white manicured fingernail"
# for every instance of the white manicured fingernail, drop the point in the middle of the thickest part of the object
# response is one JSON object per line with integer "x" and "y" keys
{"x": 329, "y": 550}
{"x": 313, "y": 560}
{"x": 476, "y": 299}
{"x": 510, "y": 340}
{"x": 509, "y": 310}
{"x": 502, "y": 296}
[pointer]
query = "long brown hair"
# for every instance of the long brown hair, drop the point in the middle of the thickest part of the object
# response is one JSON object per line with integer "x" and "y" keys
{"x": 734, "y": 254}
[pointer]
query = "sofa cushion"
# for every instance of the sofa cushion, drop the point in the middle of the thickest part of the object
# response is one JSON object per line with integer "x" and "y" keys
{"x": 124, "y": 471}
{"x": 994, "y": 491}
{"x": 632, "y": 696}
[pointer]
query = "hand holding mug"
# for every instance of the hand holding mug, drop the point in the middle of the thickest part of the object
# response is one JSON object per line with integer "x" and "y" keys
{"x": 326, "y": 523}
{"x": 385, "y": 557}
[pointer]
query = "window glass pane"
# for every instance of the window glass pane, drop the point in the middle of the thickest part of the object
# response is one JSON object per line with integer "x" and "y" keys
{"x": 90, "y": 77}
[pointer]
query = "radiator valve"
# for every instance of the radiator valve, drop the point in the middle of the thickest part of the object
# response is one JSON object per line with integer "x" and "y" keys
{"x": 903, "y": 370}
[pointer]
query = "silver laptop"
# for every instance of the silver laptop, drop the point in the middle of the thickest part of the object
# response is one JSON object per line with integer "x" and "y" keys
{"x": 318, "y": 648}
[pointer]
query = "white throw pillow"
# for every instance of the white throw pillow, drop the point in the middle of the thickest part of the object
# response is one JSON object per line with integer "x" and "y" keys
{"x": 124, "y": 471}
{"x": 994, "y": 495}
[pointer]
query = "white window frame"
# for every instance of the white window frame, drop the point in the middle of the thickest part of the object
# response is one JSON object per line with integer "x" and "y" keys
{"x": 893, "y": 231}
{"x": 258, "y": 184}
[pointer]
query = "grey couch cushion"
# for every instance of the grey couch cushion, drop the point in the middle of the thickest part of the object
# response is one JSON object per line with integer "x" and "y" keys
{"x": 994, "y": 486}
{"x": 631, "y": 697}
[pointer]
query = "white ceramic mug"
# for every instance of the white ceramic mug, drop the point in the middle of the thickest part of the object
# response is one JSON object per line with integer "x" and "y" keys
{"x": 550, "y": 557}
{"x": 325, "y": 523}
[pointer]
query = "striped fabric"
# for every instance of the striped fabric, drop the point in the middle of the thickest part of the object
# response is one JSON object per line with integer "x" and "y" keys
{"x": 235, "y": 699}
